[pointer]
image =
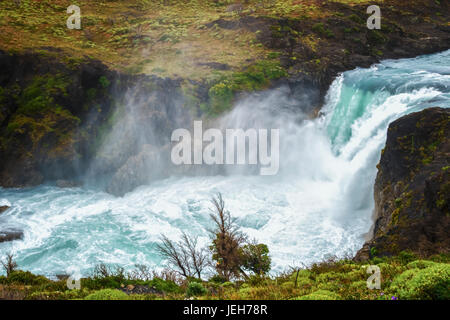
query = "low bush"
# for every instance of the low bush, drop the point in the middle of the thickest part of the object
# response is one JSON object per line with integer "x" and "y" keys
{"x": 424, "y": 284}
{"x": 195, "y": 289}
{"x": 319, "y": 295}
{"x": 26, "y": 278}
{"x": 107, "y": 294}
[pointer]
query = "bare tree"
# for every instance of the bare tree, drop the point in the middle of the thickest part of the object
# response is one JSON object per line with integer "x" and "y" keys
{"x": 141, "y": 272}
{"x": 227, "y": 241}
{"x": 198, "y": 257}
{"x": 184, "y": 256}
{"x": 9, "y": 265}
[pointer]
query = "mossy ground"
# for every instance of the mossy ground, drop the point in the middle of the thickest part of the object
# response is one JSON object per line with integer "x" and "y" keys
{"x": 403, "y": 277}
{"x": 166, "y": 38}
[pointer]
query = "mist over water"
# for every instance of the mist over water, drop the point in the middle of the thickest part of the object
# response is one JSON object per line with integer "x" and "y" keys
{"x": 319, "y": 204}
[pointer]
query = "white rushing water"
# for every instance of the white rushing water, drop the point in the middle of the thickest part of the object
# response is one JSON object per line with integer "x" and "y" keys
{"x": 319, "y": 204}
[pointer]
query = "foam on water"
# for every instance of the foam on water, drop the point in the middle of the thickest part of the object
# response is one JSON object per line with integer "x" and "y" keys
{"x": 319, "y": 204}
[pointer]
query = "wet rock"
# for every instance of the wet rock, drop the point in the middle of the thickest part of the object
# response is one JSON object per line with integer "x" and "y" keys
{"x": 66, "y": 184}
{"x": 363, "y": 254}
{"x": 10, "y": 235}
{"x": 412, "y": 188}
{"x": 3, "y": 209}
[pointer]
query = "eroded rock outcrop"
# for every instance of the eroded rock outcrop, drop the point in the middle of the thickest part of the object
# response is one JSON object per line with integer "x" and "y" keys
{"x": 412, "y": 188}
{"x": 10, "y": 235}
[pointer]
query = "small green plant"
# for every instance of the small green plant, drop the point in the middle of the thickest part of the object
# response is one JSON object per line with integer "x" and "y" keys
{"x": 320, "y": 295}
{"x": 406, "y": 257}
{"x": 322, "y": 30}
{"x": 107, "y": 294}
{"x": 373, "y": 252}
{"x": 104, "y": 82}
{"x": 195, "y": 289}
{"x": 429, "y": 283}
{"x": 26, "y": 278}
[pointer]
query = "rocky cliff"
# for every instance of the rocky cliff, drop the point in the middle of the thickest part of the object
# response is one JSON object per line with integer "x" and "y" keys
{"x": 61, "y": 90}
{"x": 55, "y": 115}
{"x": 412, "y": 188}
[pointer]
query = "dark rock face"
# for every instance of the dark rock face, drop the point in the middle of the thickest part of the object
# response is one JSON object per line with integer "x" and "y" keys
{"x": 43, "y": 103}
{"x": 412, "y": 189}
{"x": 343, "y": 42}
{"x": 56, "y": 118}
{"x": 57, "y": 112}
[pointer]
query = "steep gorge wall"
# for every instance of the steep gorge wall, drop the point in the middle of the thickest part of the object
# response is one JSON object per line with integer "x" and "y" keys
{"x": 412, "y": 188}
{"x": 56, "y": 113}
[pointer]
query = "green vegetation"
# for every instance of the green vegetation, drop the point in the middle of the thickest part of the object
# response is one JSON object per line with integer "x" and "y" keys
{"x": 195, "y": 289}
{"x": 429, "y": 281}
{"x": 322, "y": 30}
{"x": 39, "y": 116}
{"x": 107, "y": 294}
{"x": 255, "y": 77}
{"x": 333, "y": 279}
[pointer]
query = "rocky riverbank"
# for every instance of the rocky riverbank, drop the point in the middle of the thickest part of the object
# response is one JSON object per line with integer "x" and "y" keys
{"x": 412, "y": 189}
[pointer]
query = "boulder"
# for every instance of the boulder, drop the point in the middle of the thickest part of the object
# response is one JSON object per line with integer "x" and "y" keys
{"x": 10, "y": 235}
{"x": 3, "y": 209}
{"x": 66, "y": 184}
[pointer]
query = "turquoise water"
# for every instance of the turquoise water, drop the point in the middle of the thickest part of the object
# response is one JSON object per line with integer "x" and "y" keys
{"x": 319, "y": 204}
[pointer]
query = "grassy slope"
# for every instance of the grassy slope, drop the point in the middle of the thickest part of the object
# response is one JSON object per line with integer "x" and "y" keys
{"x": 402, "y": 277}
{"x": 167, "y": 38}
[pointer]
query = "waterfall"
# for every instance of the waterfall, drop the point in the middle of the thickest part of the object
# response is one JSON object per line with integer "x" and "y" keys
{"x": 319, "y": 204}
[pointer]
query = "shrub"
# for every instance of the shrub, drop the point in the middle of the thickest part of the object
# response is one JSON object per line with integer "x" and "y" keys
{"x": 217, "y": 279}
{"x": 319, "y": 295}
{"x": 26, "y": 278}
{"x": 227, "y": 284}
{"x": 57, "y": 295}
{"x": 424, "y": 284}
{"x": 104, "y": 276}
{"x": 255, "y": 257}
{"x": 195, "y": 289}
{"x": 406, "y": 257}
{"x": 257, "y": 280}
{"x": 107, "y": 294}
{"x": 288, "y": 285}
{"x": 322, "y": 30}
{"x": 104, "y": 82}
{"x": 166, "y": 286}
{"x": 420, "y": 264}
{"x": 111, "y": 282}
{"x": 245, "y": 293}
